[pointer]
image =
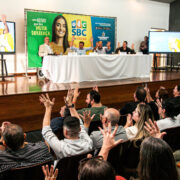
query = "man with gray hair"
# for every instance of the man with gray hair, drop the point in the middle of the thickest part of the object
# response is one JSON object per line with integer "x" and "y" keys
{"x": 110, "y": 115}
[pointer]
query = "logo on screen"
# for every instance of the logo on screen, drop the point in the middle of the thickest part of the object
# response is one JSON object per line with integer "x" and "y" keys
{"x": 79, "y": 28}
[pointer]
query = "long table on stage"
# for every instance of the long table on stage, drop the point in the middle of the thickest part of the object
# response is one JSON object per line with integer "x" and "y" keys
{"x": 79, "y": 68}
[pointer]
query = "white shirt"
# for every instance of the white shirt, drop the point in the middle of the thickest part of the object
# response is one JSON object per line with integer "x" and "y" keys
{"x": 68, "y": 147}
{"x": 168, "y": 123}
{"x": 44, "y": 50}
{"x": 131, "y": 132}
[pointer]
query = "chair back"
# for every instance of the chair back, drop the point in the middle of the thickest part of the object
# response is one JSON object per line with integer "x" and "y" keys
{"x": 94, "y": 126}
{"x": 25, "y": 173}
{"x": 172, "y": 137}
{"x": 68, "y": 167}
{"x": 125, "y": 158}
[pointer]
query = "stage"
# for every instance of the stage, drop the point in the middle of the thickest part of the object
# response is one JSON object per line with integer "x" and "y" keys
{"x": 19, "y": 96}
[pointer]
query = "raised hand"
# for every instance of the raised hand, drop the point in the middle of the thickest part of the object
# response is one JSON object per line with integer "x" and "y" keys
{"x": 46, "y": 100}
{"x": 108, "y": 137}
{"x": 95, "y": 88}
{"x": 129, "y": 121}
{"x": 132, "y": 46}
{"x": 87, "y": 118}
{"x": 103, "y": 119}
{"x": 69, "y": 98}
{"x": 153, "y": 129}
{"x": 76, "y": 92}
{"x": 3, "y": 126}
{"x": 50, "y": 175}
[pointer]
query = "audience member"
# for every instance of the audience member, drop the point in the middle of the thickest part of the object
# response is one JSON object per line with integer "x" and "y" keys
{"x": 141, "y": 115}
{"x": 176, "y": 91}
{"x": 161, "y": 94}
{"x": 144, "y": 46}
{"x": 96, "y": 169}
{"x": 76, "y": 139}
{"x": 110, "y": 115}
{"x": 167, "y": 113}
{"x": 56, "y": 123}
{"x": 156, "y": 157}
{"x": 93, "y": 101}
{"x": 18, "y": 153}
{"x": 156, "y": 161}
{"x": 81, "y": 50}
{"x": 140, "y": 96}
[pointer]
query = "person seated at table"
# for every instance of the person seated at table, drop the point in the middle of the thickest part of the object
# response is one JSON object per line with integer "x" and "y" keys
{"x": 81, "y": 50}
{"x": 96, "y": 47}
{"x": 132, "y": 51}
{"x": 125, "y": 48}
{"x": 108, "y": 48}
{"x": 101, "y": 49}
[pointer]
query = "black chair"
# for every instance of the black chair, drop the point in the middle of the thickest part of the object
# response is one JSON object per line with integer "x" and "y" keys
{"x": 25, "y": 173}
{"x": 68, "y": 167}
{"x": 125, "y": 158}
{"x": 34, "y": 136}
{"x": 172, "y": 137}
{"x": 94, "y": 126}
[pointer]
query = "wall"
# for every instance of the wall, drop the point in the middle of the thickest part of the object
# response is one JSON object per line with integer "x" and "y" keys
{"x": 134, "y": 19}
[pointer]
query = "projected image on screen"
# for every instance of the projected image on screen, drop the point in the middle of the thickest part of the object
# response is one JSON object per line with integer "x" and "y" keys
{"x": 164, "y": 42}
{"x": 7, "y": 37}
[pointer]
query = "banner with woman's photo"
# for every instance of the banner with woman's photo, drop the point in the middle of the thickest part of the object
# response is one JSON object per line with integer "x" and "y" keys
{"x": 61, "y": 27}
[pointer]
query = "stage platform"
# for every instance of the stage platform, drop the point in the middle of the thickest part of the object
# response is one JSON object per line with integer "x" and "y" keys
{"x": 19, "y": 96}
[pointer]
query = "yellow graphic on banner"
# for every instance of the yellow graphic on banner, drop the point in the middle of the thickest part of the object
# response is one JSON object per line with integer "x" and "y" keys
{"x": 174, "y": 44}
{"x": 80, "y": 27}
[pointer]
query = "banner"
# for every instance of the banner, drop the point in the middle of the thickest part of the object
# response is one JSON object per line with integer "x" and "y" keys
{"x": 82, "y": 27}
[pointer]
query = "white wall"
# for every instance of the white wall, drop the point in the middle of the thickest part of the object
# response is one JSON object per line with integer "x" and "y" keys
{"x": 134, "y": 19}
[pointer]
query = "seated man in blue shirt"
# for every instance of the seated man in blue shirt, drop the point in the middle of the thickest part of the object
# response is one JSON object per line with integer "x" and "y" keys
{"x": 81, "y": 50}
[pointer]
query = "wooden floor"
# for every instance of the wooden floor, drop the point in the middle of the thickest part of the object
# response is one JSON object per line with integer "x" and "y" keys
{"x": 31, "y": 84}
{"x": 19, "y": 96}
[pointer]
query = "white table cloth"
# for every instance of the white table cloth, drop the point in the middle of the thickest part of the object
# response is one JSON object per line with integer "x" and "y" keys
{"x": 66, "y": 69}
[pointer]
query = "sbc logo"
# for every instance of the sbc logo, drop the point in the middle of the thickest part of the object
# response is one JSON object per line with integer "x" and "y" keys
{"x": 79, "y": 28}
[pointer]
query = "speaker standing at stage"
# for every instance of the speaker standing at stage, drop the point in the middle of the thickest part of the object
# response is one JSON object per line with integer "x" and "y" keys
{"x": 44, "y": 50}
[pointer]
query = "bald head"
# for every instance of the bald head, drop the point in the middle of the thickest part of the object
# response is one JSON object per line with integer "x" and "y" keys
{"x": 112, "y": 115}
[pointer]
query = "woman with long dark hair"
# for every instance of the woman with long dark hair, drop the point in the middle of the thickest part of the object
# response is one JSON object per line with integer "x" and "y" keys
{"x": 59, "y": 43}
{"x": 156, "y": 161}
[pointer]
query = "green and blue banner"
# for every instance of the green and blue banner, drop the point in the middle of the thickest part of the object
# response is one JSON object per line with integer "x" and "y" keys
{"x": 82, "y": 27}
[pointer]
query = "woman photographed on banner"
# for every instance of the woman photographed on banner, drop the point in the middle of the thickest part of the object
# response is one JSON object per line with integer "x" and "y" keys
{"x": 59, "y": 43}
